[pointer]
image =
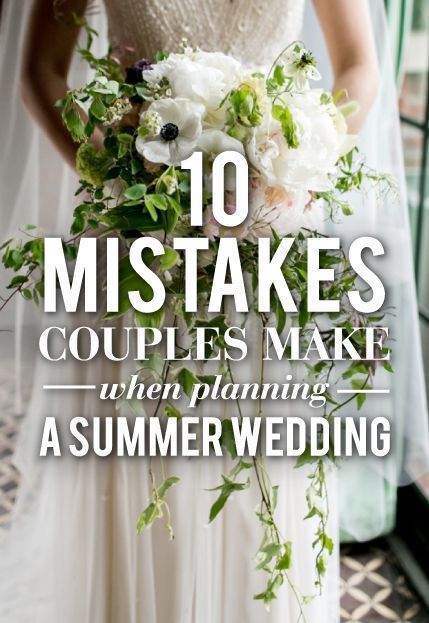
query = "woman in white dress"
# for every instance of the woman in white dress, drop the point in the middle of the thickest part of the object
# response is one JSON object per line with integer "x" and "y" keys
{"x": 73, "y": 553}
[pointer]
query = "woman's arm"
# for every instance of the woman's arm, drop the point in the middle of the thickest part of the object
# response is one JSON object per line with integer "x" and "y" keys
{"x": 48, "y": 50}
{"x": 348, "y": 32}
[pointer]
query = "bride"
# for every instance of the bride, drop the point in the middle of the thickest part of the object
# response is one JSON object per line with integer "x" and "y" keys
{"x": 73, "y": 553}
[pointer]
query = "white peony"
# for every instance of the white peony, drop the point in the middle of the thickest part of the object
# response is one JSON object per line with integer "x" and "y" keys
{"x": 212, "y": 143}
{"x": 175, "y": 134}
{"x": 321, "y": 143}
{"x": 203, "y": 77}
{"x": 311, "y": 165}
{"x": 277, "y": 208}
{"x": 269, "y": 209}
{"x": 265, "y": 147}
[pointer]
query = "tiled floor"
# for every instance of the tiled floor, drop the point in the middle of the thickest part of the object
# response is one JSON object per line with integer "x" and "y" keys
{"x": 373, "y": 587}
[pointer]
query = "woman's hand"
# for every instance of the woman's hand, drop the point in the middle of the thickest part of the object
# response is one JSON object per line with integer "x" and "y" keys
{"x": 348, "y": 32}
{"x": 48, "y": 50}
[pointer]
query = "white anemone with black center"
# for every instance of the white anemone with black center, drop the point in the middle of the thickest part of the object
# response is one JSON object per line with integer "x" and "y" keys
{"x": 178, "y": 131}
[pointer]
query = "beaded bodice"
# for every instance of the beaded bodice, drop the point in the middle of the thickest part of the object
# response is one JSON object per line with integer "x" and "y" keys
{"x": 254, "y": 31}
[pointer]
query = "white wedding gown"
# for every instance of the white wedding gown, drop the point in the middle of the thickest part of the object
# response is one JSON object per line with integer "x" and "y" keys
{"x": 72, "y": 554}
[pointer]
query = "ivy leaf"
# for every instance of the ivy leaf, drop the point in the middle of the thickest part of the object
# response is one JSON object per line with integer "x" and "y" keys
{"x": 285, "y": 560}
{"x": 187, "y": 380}
{"x": 218, "y": 506}
{"x": 78, "y": 224}
{"x": 321, "y": 565}
{"x": 153, "y": 320}
{"x": 219, "y": 322}
{"x": 227, "y": 438}
{"x": 130, "y": 281}
{"x": 305, "y": 458}
{"x": 360, "y": 399}
{"x": 17, "y": 281}
{"x": 280, "y": 316}
{"x": 166, "y": 485}
{"x": 171, "y": 411}
{"x": 360, "y": 384}
{"x": 147, "y": 517}
{"x": 303, "y": 313}
{"x": 359, "y": 368}
{"x": 74, "y": 124}
{"x": 155, "y": 364}
{"x": 279, "y": 75}
{"x": 266, "y": 554}
{"x": 387, "y": 366}
{"x": 226, "y": 489}
{"x": 154, "y": 509}
{"x": 328, "y": 543}
{"x": 269, "y": 594}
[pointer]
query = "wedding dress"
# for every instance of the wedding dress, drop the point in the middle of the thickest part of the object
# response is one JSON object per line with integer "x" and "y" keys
{"x": 72, "y": 553}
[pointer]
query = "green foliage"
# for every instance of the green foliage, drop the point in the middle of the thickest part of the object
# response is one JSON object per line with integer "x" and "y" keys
{"x": 136, "y": 192}
{"x": 228, "y": 487}
{"x": 92, "y": 165}
{"x": 285, "y": 118}
{"x": 187, "y": 380}
{"x": 157, "y": 507}
{"x": 243, "y": 110}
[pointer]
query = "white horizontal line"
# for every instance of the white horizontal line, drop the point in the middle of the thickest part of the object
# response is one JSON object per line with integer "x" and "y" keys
{"x": 363, "y": 391}
{"x": 69, "y": 386}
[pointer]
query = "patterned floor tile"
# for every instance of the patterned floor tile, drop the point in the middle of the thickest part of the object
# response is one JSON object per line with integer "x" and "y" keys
{"x": 374, "y": 588}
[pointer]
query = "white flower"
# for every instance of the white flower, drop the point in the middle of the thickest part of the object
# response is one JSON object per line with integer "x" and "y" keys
{"x": 266, "y": 147}
{"x": 203, "y": 77}
{"x": 276, "y": 208}
{"x": 180, "y": 129}
{"x": 116, "y": 111}
{"x": 346, "y": 142}
{"x": 300, "y": 65}
{"x": 152, "y": 121}
{"x": 310, "y": 166}
{"x": 212, "y": 143}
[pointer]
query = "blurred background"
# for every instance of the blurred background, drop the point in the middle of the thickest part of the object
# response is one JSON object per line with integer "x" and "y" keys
{"x": 388, "y": 580}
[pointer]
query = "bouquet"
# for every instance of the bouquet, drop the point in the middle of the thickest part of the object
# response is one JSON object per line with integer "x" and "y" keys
{"x": 294, "y": 137}
{"x": 301, "y": 164}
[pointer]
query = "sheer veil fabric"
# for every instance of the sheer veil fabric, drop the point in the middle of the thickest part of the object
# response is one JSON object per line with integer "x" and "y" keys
{"x": 71, "y": 552}
{"x": 366, "y": 512}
